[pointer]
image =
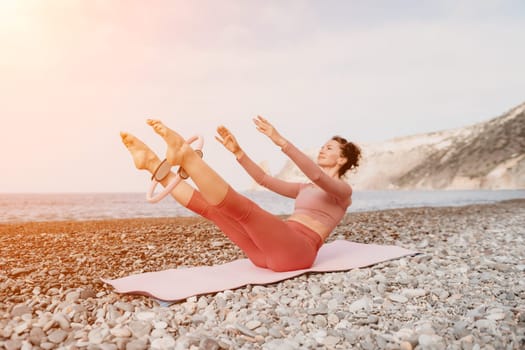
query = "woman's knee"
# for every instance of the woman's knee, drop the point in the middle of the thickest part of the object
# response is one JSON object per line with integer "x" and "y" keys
{"x": 235, "y": 205}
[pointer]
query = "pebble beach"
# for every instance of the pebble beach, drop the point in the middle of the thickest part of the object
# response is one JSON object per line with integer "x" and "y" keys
{"x": 466, "y": 290}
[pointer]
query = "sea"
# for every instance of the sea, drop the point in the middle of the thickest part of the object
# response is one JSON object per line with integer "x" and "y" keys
{"x": 27, "y": 207}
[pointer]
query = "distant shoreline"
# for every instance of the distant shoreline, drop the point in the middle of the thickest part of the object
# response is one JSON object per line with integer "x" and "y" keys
{"x": 194, "y": 216}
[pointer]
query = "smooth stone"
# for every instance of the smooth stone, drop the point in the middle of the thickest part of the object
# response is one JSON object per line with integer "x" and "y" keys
{"x": 467, "y": 341}
{"x": 160, "y": 325}
{"x": 279, "y": 344}
{"x": 253, "y": 324}
{"x": 208, "y": 344}
{"x": 333, "y": 319}
{"x": 460, "y": 329}
{"x": 404, "y": 345}
{"x": 157, "y": 333}
{"x": 321, "y": 310}
{"x": 124, "y": 306}
{"x": 20, "y": 310}
{"x": 319, "y": 336}
{"x": 137, "y": 344}
{"x": 441, "y": 293}
{"x": 97, "y": 335}
{"x": 413, "y": 293}
{"x": 398, "y": 298}
{"x": 122, "y": 332}
{"x": 106, "y": 346}
{"x": 62, "y": 321}
{"x": 36, "y": 335}
{"x": 202, "y": 303}
{"x": 87, "y": 293}
{"x": 72, "y": 297}
{"x": 496, "y": 316}
{"x": 21, "y": 327}
{"x": 372, "y": 319}
{"x": 360, "y": 304}
{"x": 13, "y": 344}
{"x": 315, "y": 289}
{"x": 332, "y": 305}
{"x": 198, "y": 319}
{"x": 145, "y": 316}
{"x": 26, "y": 346}
{"x": 57, "y": 336}
{"x": 275, "y": 332}
{"x": 320, "y": 320}
{"x": 245, "y": 331}
{"x": 139, "y": 328}
{"x": 408, "y": 335}
{"x": 431, "y": 342}
{"x": 331, "y": 341}
{"x": 262, "y": 331}
{"x": 47, "y": 345}
{"x": 166, "y": 342}
{"x": 190, "y": 307}
{"x": 477, "y": 313}
{"x": 483, "y": 324}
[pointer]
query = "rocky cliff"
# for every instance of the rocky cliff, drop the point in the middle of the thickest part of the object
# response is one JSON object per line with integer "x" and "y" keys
{"x": 487, "y": 155}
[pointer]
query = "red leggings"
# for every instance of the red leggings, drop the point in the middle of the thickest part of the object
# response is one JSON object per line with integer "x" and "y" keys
{"x": 267, "y": 240}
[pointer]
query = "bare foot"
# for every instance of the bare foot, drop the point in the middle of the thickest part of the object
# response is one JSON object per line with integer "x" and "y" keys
{"x": 177, "y": 147}
{"x": 143, "y": 157}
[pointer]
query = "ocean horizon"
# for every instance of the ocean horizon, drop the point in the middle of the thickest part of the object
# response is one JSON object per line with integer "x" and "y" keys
{"x": 37, "y": 207}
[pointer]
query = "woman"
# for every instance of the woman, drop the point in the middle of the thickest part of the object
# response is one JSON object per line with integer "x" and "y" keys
{"x": 267, "y": 240}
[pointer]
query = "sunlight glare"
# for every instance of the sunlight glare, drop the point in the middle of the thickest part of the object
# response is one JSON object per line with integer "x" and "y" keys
{"x": 13, "y": 14}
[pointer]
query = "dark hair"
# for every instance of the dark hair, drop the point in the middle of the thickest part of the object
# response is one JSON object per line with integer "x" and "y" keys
{"x": 351, "y": 152}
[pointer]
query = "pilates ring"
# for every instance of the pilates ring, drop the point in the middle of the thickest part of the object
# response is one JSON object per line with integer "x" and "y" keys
{"x": 164, "y": 169}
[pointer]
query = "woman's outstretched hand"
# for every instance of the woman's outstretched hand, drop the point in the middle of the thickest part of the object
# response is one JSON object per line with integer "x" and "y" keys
{"x": 269, "y": 130}
{"x": 229, "y": 141}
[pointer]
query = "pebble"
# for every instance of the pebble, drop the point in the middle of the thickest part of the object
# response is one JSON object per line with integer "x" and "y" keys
{"x": 97, "y": 335}
{"x": 166, "y": 342}
{"x": 57, "y": 336}
{"x": 139, "y": 328}
{"x": 145, "y": 316}
{"x": 398, "y": 298}
{"x": 20, "y": 310}
{"x": 137, "y": 344}
{"x": 36, "y": 335}
{"x": 124, "y": 306}
{"x": 62, "y": 321}
{"x": 246, "y": 331}
{"x": 431, "y": 342}
{"x": 253, "y": 324}
{"x": 414, "y": 293}
{"x": 14, "y": 344}
{"x": 121, "y": 332}
{"x": 361, "y": 304}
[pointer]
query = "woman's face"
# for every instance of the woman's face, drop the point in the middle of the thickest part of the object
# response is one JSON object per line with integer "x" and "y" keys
{"x": 330, "y": 155}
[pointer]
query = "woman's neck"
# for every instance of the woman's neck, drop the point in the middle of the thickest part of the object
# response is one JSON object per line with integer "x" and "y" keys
{"x": 331, "y": 171}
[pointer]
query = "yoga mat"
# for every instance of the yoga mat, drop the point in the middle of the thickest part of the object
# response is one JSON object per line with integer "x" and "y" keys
{"x": 178, "y": 284}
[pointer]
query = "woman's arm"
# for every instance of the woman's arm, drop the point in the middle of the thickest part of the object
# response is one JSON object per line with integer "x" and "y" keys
{"x": 284, "y": 188}
{"x": 288, "y": 189}
{"x": 336, "y": 187}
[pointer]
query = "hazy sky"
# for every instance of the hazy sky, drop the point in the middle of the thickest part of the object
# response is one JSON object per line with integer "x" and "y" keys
{"x": 73, "y": 73}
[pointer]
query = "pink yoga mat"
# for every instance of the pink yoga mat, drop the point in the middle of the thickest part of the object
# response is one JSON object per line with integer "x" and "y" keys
{"x": 178, "y": 284}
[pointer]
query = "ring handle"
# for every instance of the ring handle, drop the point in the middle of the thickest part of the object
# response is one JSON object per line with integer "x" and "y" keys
{"x": 163, "y": 170}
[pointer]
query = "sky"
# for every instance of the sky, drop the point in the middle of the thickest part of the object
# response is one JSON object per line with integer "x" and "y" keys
{"x": 75, "y": 73}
